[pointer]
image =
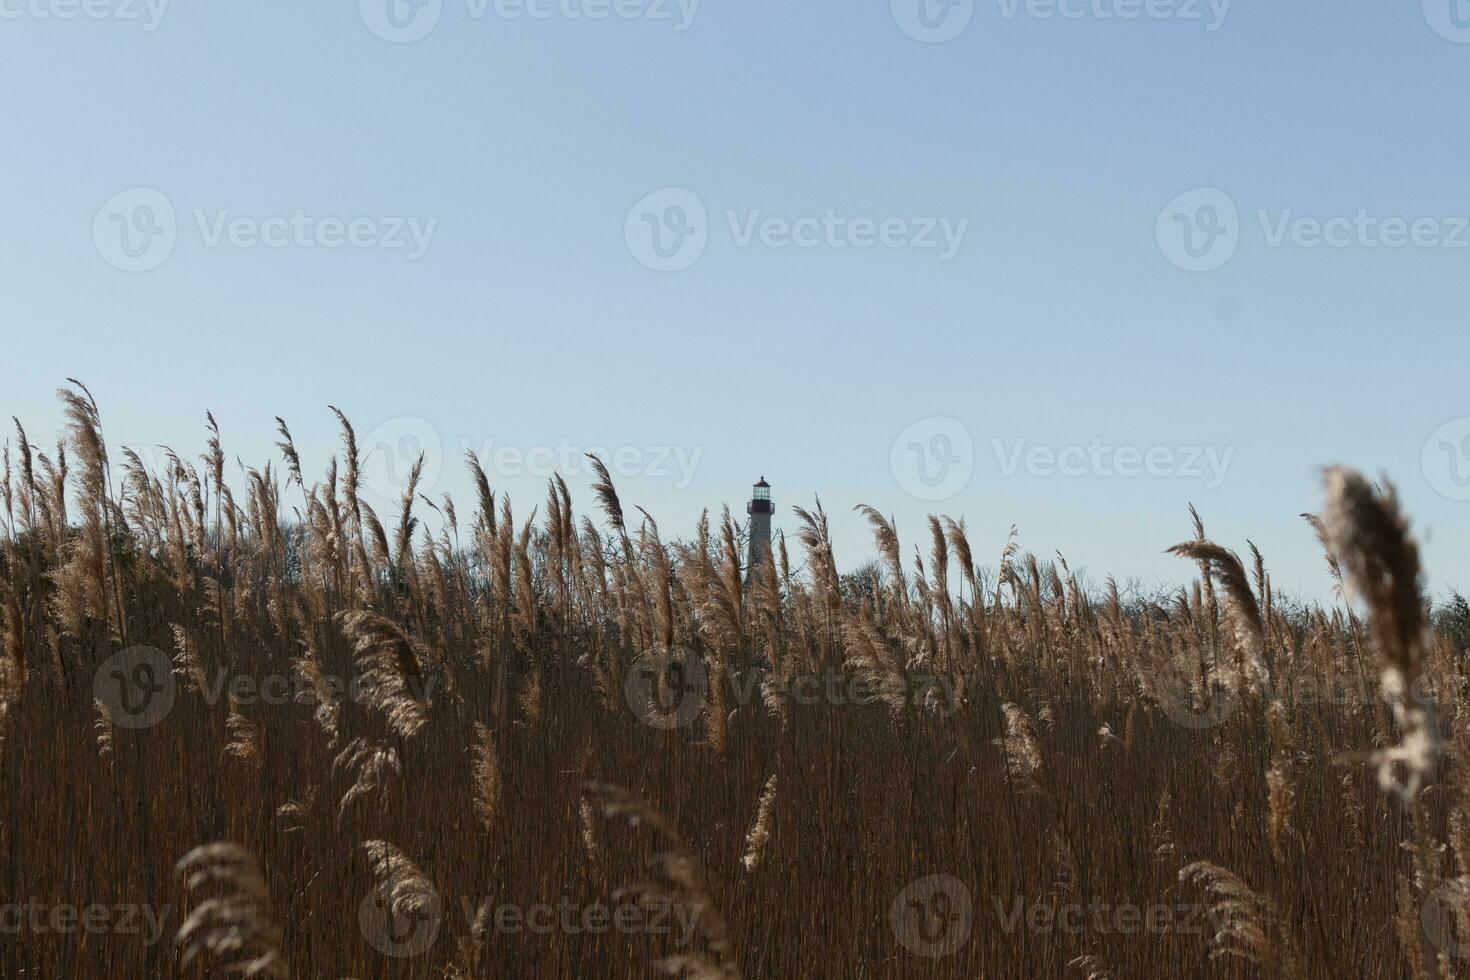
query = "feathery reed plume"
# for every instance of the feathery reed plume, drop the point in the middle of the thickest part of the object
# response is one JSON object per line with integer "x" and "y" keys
{"x": 485, "y": 516}
{"x": 1334, "y": 567}
{"x": 1160, "y": 832}
{"x": 760, "y": 831}
{"x": 287, "y": 446}
{"x": 13, "y": 664}
{"x": 407, "y": 523}
{"x": 1206, "y": 583}
{"x": 1281, "y": 796}
{"x": 376, "y": 766}
{"x": 815, "y": 535}
{"x": 959, "y": 542}
{"x": 1022, "y": 752}
{"x": 939, "y": 568}
{"x": 392, "y": 667}
{"x": 1280, "y": 781}
{"x": 90, "y": 577}
{"x": 354, "y": 555}
{"x": 294, "y": 816}
{"x": 406, "y": 893}
{"x": 1240, "y": 602}
{"x": 486, "y": 777}
{"x": 1263, "y": 582}
{"x": 470, "y": 950}
{"x": 102, "y": 729}
{"x": 377, "y": 537}
{"x": 1246, "y": 924}
{"x": 1005, "y": 570}
{"x": 586, "y": 817}
{"x": 686, "y": 892}
{"x": 321, "y": 693}
{"x": 215, "y": 457}
{"x": 352, "y": 459}
{"x": 1371, "y": 539}
{"x": 607, "y": 495}
{"x": 871, "y": 655}
{"x": 529, "y": 701}
{"x": 187, "y": 664}
{"x": 885, "y": 535}
{"x": 245, "y": 738}
{"x": 28, "y": 492}
{"x": 232, "y": 919}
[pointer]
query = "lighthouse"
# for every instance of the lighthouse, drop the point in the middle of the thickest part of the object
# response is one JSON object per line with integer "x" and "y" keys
{"x": 760, "y": 510}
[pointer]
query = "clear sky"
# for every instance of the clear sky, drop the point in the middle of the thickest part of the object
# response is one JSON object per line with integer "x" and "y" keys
{"x": 268, "y": 165}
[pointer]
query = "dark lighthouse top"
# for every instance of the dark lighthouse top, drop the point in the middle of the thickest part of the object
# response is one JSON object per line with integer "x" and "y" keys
{"x": 760, "y": 499}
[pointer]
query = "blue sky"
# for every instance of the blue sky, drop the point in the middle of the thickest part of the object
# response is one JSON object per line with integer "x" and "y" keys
{"x": 521, "y": 148}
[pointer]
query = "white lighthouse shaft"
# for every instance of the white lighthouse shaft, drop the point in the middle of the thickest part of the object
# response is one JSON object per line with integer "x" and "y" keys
{"x": 760, "y": 539}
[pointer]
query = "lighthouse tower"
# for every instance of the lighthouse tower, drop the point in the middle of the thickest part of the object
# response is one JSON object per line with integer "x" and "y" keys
{"x": 760, "y": 510}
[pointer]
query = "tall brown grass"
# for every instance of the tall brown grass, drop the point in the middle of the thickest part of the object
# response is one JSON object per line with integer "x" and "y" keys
{"x": 462, "y": 728}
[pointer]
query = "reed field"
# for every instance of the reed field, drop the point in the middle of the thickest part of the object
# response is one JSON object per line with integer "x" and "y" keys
{"x": 251, "y": 726}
